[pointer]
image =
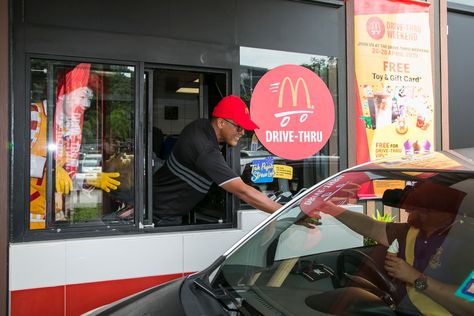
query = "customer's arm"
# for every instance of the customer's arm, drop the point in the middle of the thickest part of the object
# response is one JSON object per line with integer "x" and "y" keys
{"x": 439, "y": 292}
{"x": 444, "y": 295}
{"x": 358, "y": 222}
{"x": 251, "y": 195}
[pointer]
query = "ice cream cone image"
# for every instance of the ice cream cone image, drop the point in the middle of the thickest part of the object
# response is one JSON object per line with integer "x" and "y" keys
{"x": 394, "y": 248}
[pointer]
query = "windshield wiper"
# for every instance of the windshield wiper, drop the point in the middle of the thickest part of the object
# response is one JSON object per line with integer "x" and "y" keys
{"x": 225, "y": 299}
{"x": 223, "y": 296}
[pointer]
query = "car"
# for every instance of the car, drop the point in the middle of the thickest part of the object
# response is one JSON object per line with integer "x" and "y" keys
{"x": 305, "y": 260}
{"x": 90, "y": 163}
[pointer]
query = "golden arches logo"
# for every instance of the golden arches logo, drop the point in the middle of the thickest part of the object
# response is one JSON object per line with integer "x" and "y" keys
{"x": 294, "y": 91}
{"x": 375, "y": 28}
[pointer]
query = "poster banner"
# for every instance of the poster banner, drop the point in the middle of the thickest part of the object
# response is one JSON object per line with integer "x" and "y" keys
{"x": 393, "y": 79}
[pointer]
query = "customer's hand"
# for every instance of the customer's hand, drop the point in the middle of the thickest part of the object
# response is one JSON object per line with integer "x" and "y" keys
{"x": 400, "y": 269}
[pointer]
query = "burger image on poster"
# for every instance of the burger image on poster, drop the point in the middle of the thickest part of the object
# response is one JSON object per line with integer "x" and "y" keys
{"x": 295, "y": 112}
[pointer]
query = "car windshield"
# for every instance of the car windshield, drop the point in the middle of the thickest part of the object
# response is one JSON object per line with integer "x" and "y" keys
{"x": 306, "y": 262}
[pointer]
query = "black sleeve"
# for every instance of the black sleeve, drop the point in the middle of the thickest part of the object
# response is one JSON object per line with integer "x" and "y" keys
{"x": 214, "y": 165}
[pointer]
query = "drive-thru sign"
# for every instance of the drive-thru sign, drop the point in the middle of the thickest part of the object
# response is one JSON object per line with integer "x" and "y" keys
{"x": 294, "y": 110}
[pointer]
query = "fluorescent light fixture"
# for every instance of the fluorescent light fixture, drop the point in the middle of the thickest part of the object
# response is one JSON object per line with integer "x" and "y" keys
{"x": 188, "y": 90}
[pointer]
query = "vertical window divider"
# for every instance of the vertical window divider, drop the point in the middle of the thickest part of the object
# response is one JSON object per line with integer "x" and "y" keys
{"x": 50, "y": 165}
{"x": 148, "y": 110}
{"x": 141, "y": 173}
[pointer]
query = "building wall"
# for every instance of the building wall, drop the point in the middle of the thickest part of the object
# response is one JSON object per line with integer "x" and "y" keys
{"x": 461, "y": 68}
{"x": 204, "y": 34}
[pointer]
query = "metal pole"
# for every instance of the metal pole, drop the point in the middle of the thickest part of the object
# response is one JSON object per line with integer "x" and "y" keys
{"x": 4, "y": 149}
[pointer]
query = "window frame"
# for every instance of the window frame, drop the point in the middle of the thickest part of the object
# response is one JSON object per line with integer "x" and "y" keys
{"x": 142, "y": 166}
{"x": 20, "y": 216}
{"x": 231, "y": 203}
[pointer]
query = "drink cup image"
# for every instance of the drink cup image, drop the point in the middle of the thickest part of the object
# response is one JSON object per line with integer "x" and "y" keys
{"x": 408, "y": 146}
{"x": 416, "y": 147}
{"x": 426, "y": 146}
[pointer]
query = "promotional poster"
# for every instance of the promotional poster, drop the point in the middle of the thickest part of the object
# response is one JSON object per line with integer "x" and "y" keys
{"x": 395, "y": 105}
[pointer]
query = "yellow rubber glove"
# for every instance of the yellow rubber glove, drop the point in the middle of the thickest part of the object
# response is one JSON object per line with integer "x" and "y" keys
{"x": 104, "y": 180}
{"x": 63, "y": 181}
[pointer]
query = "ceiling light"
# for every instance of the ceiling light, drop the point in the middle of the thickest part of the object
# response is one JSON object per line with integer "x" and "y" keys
{"x": 188, "y": 90}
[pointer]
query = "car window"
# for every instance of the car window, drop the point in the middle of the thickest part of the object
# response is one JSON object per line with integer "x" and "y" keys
{"x": 288, "y": 268}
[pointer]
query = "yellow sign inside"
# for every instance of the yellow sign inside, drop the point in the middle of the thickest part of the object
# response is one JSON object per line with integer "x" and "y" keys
{"x": 283, "y": 172}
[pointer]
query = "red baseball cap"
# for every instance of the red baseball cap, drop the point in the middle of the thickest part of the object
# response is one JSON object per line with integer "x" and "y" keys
{"x": 233, "y": 108}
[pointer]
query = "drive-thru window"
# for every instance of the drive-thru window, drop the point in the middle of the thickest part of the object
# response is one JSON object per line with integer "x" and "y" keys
{"x": 85, "y": 137}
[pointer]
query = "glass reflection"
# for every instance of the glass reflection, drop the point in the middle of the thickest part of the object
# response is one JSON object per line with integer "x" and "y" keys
{"x": 82, "y": 144}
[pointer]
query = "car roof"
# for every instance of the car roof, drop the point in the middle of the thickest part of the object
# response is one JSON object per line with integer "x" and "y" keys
{"x": 458, "y": 160}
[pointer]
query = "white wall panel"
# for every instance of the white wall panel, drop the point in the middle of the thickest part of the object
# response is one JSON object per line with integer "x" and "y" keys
{"x": 201, "y": 249}
{"x": 37, "y": 264}
{"x": 99, "y": 259}
{"x": 248, "y": 219}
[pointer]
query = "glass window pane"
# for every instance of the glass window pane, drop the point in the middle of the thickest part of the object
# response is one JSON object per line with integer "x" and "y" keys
{"x": 179, "y": 98}
{"x": 82, "y": 143}
{"x": 254, "y": 63}
{"x": 463, "y": 2}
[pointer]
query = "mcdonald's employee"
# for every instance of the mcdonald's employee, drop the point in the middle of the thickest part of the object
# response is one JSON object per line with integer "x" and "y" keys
{"x": 429, "y": 263}
{"x": 196, "y": 162}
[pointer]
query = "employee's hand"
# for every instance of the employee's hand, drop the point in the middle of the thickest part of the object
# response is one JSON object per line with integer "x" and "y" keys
{"x": 309, "y": 222}
{"x": 63, "y": 180}
{"x": 104, "y": 181}
{"x": 398, "y": 268}
{"x": 318, "y": 205}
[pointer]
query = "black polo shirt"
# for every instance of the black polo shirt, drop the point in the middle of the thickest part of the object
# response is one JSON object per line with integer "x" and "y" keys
{"x": 193, "y": 165}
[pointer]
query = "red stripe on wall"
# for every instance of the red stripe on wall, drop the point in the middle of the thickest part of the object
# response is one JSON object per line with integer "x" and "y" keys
{"x": 43, "y": 301}
{"x": 76, "y": 299}
{"x": 81, "y": 298}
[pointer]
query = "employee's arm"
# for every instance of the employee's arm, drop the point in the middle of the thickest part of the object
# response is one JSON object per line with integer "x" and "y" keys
{"x": 251, "y": 195}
